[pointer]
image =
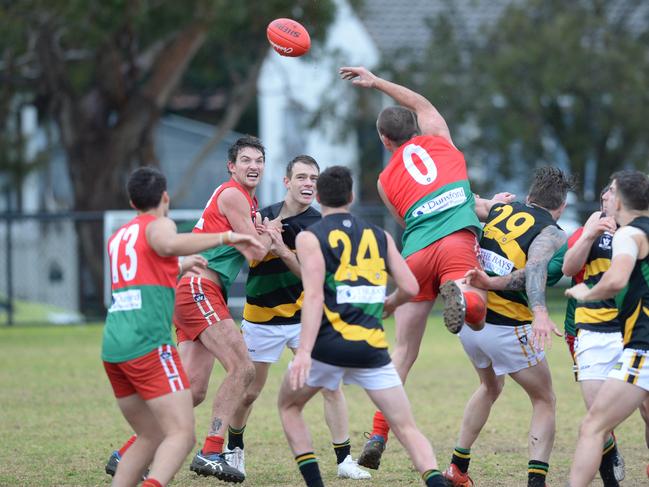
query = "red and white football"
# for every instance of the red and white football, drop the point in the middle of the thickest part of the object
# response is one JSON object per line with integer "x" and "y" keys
{"x": 288, "y": 37}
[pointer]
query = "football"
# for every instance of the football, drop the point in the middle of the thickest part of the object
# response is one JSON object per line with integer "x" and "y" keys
{"x": 288, "y": 37}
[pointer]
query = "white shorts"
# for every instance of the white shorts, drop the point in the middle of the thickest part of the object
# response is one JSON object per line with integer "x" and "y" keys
{"x": 507, "y": 349}
{"x": 596, "y": 353}
{"x": 329, "y": 376}
{"x": 633, "y": 367}
{"x": 267, "y": 342}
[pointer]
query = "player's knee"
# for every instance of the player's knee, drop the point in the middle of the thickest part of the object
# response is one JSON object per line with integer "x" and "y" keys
{"x": 245, "y": 373}
{"x": 198, "y": 396}
{"x": 494, "y": 389}
{"x": 250, "y": 397}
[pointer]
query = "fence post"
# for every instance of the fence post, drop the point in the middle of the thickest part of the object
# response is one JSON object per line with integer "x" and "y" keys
{"x": 10, "y": 290}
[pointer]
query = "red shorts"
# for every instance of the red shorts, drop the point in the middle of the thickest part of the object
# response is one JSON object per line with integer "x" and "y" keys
{"x": 446, "y": 259}
{"x": 155, "y": 374}
{"x": 199, "y": 304}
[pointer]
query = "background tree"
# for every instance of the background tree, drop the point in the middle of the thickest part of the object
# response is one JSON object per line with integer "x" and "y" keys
{"x": 105, "y": 70}
{"x": 548, "y": 82}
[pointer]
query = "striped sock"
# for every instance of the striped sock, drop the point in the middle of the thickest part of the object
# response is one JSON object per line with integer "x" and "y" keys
{"x": 536, "y": 473}
{"x": 609, "y": 454}
{"x": 342, "y": 450}
{"x": 235, "y": 437}
{"x": 433, "y": 478}
{"x": 461, "y": 458}
{"x": 308, "y": 465}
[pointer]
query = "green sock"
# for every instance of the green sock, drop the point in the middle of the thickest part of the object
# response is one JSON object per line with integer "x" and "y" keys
{"x": 235, "y": 437}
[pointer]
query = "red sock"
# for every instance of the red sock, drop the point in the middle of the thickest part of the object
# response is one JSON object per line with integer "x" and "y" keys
{"x": 213, "y": 444}
{"x": 151, "y": 483}
{"x": 126, "y": 445}
{"x": 476, "y": 309}
{"x": 380, "y": 426}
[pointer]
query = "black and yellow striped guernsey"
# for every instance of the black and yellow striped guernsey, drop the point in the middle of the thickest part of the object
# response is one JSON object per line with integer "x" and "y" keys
{"x": 506, "y": 239}
{"x": 273, "y": 293}
{"x": 633, "y": 301}
{"x": 600, "y": 316}
{"x": 355, "y": 253}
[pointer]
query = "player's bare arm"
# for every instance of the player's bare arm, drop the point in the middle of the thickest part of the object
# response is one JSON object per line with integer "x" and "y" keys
{"x": 483, "y": 205}
{"x": 577, "y": 254}
{"x": 430, "y": 120}
{"x": 393, "y": 211}
{"x": 536, "y": 274}
{"x": 407, "y": 285}
{"x": 313, "y": 269}
{"x": 626, "y": 250}
{"x": 511, "y": 282}
{"x": 162, "y": 236}
{"x": 234, "y": 205}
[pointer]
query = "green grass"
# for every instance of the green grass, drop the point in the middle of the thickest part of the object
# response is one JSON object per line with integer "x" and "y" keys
{"x": 59, "y": 421}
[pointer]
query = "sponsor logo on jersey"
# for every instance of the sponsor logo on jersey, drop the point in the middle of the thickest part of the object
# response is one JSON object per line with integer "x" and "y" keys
{"x": 126, "y": 301}
{"x": 165, "y": 355}
{"x": 444, "y": 201}
{"x": 605, "y": 241}
{"x": 198, "y": 297}
{"x": 495, "y": 263}
{"x": 360, "y": 294}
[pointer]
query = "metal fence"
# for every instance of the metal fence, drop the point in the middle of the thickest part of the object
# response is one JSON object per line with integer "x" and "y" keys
{"x": 52, "y": 266}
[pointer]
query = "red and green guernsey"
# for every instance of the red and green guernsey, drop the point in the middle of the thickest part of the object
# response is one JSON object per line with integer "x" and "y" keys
{"x": 143, "y": 291}
{"x": 426, "y": 182}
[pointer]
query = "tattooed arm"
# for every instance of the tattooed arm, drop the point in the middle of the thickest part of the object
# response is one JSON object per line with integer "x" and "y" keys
{"x": 536, "y": 273}
{"x": 480, "y": 279}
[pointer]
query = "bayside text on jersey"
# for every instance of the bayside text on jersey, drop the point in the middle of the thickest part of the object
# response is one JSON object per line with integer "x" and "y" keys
{"x": 143, "y": 290}
{"x": 351, "y": 333}
{"x": 426, "y": 181}
{"x": 226, "y": 260}
{"x": 273, "y": 293}
{"x": 506, "y": 239}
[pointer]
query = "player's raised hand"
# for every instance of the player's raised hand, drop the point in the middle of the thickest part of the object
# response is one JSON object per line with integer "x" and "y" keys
{"x": 299, "y": 370}
{"x": 504, "y": 197}
{"x": 359, "y": 76}
{"x": 598, "y": 224}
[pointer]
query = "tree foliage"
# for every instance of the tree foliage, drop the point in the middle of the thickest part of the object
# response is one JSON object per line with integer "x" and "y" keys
{"x": 549, "y": 82}
{"x": 105, "y": 70}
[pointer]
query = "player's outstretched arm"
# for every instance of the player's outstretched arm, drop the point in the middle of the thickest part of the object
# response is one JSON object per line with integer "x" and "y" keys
{"x": 483, "y": 205}
{"x": 625, "y": 254}
{"x": 540, "y": 253}
{"x": 163, "y": 237}
{"x": 430, "y": 120}
{"x": 407, "y": 286}
{"x": 313, "y": 271}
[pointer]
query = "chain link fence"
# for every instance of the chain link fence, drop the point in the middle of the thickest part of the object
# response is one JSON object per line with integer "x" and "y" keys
{"x": 52, "y": 266}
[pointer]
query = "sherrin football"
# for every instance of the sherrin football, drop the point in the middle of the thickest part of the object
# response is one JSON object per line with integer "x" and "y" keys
{"x": 288, "y": 37}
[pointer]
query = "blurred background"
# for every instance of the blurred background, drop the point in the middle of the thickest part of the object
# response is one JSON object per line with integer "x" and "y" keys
{"x": 91, "y": 89}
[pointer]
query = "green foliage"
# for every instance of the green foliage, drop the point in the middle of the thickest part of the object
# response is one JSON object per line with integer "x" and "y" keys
{"x": 550, "y": 82}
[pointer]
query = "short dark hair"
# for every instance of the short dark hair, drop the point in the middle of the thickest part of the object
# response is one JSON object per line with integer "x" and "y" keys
{"x": 242, "y": 143}
{"x": 550, "y": 187}
{"x": 145, "y": 187}
{"x": 304, "y": 159}
{"x": 334, "y": 186}
{"x": 633, "y": 189}
{"x": 398, "y": 124}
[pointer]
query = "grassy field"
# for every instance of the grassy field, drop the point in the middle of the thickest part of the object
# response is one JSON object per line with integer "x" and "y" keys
{"x": 59, "y": 421}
